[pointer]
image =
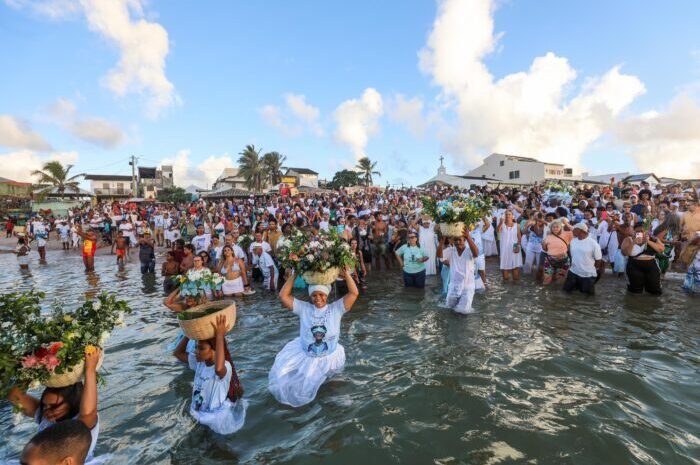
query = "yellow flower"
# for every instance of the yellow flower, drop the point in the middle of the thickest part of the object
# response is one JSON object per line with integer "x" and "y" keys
{"x": 90, "y": 349}
{"x": 67, "y": 318}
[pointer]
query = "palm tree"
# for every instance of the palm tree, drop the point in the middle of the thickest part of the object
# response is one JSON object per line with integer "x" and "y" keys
{"x": 367, "y": 168}
{"x": 251, "y": 167}
{"x": 54, "y": 176}
{"x": 272, "y": 161}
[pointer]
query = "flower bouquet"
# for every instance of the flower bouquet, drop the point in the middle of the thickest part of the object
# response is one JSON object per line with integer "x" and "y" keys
{"x": 196, "y": 283}
{"x": 317, "y": 259}
{"x": 558, "y": 191}
{"x": 50, "y": 348}
{"x": 244, "y": 242}
{"x": 455, "y": 213}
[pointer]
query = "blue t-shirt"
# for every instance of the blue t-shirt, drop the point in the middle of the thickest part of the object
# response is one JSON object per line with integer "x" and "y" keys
{"x": 411, "y": 257}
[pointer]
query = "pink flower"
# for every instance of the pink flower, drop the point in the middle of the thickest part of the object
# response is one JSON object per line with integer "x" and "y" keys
{"x": 51, "y": 362}
{"x": 29, "y": 361}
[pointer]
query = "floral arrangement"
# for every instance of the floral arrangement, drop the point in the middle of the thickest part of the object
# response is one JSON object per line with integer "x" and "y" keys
{"x": 457, "y": 209}
{"x": 244, "y": 241}
{"x": 196, "y": 283}
{"x": 305, "y": 253}
{"x": 190, "y": 315}
{"x": 36, "y": 346}
{"x": 553, "y": 188}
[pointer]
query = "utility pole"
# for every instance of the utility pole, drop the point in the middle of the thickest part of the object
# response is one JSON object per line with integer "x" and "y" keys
{"x": 132, "y": 162}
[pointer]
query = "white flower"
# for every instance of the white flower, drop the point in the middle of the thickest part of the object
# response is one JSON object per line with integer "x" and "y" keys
{"x": 34, "y": 384}
{"x": 310, "y": 257}
{"x": 103, "y": 337}
{"x": 6, "y": 325}
{"x": 96, "y": 305}
{"x": 346, "y": 246}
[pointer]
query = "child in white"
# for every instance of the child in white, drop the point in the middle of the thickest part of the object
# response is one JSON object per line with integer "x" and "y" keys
{"x": 217, "y": 392}
{"x": 305, "y": 363}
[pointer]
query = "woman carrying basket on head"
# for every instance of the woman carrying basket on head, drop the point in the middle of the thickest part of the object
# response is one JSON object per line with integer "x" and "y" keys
{"x": 305, "y": 363}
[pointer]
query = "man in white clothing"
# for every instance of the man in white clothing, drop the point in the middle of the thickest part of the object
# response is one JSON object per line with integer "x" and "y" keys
{"x": 266, "y": 264}
{"x": 428, "y": 242}
{"x": 460, "y": 259}
{"x": 585, "y": 255}
{"x": 201, "y": 241}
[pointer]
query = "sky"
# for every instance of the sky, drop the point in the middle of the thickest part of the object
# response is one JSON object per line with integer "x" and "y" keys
{"x": 603, "y": 87}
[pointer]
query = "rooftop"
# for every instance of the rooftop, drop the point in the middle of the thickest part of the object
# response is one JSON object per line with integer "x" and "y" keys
{"x": 301, "y": 171}
{"x": 147, "y": 172}
{"x": 107, "y": 177}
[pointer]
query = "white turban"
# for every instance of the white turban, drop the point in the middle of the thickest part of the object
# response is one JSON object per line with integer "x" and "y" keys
{"x": 319, "y": 288}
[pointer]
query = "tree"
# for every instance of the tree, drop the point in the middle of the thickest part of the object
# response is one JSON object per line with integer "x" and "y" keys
{"x": 174, "y": 195}
{"x": 272, "y": 161}
{"x": 366, "y": 169}
{"x": 251, "y": 168}
{"x": 54, "y": 175}
{"x": 344, "y": 178}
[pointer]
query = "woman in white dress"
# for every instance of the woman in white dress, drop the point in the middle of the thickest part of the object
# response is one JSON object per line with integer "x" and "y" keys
{"x": 488, "y": 238}
{"x": 306, "y": 362}
{"x": 511, "y": 257}
{"x": 217, "y": 392}
{"x": 428, "y": 242}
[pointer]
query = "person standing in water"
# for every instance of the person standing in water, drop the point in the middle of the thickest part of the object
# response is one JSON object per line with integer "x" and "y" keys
{"x": 89, "y": 247}
{"x": 460, "y": 259}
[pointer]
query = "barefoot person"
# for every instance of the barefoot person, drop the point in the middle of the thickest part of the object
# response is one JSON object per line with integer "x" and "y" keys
{"x": 89, "y": 247}
{"x": 75, "y": 402}
{"x": 217, "y": 392}
{"x": 306, "y": 362}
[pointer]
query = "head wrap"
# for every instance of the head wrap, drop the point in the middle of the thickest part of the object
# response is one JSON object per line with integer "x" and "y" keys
{"x": 319, "y": 288}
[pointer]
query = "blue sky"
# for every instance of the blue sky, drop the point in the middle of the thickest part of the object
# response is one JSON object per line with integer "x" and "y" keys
{"x": 230, "y": 66}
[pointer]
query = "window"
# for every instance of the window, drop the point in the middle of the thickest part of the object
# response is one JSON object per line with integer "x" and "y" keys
{"x": 105, "y": 185}
{"x": 503, "y": 163}
{"x": 514, "y": 174}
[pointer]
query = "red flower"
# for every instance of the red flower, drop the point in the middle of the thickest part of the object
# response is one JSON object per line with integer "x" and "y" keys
{"x": 42, "y": 352}
{"x": 53, "y": 348}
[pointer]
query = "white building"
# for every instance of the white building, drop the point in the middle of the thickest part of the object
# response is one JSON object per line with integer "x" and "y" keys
{"x": 305, "y": 176}
{"x": 461, "y": 182}
{"x": 603, "y": 178}
{"x": 229, "y": 179}
{"x": 110, "y": 186}
{"x": 520, "y": 170}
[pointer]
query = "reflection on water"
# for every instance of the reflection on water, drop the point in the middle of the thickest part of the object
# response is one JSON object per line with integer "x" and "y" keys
{"x": 533, "y": 377}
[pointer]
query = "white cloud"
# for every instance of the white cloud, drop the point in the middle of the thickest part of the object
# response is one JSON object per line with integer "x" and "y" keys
{"x": 19, "y": 165}
{"x": 203, "y": 175}
{"x": 95, "y": 130}
{"x": 357, "y": 120}
{"x": 408, "y": 111}
{"x": 295, "y": 118}
{"x": 18, "y": 134}
{"x": 143, "y": 45}
{"x": 528, "y": 112}
{"x": 668, "y": 142}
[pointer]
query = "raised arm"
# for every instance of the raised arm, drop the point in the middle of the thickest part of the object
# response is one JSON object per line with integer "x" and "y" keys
{"x": 172, "y": 301}
{"x": 27, "y": 404}
{"x": 286, "y": 292}
{"x": 88, "y": 403}
{"x": 352, "y": 295}
{"x": 220, "y": 330}
{"x": 180, "y": 352}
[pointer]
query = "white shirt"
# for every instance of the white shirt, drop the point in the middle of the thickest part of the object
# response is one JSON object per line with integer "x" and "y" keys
{"x": 201, "y": 243}
{"x": 584, "y": 254}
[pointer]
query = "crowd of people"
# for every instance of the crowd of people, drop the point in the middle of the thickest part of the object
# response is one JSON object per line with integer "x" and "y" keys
{"x": 554, "y": 236}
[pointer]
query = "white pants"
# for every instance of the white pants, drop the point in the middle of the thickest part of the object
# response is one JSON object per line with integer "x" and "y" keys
{"x": 532, "y": 259}
{"x": 461, "y": 303}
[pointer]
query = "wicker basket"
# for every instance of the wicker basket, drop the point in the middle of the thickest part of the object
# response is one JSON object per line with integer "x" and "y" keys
{"x": 452, "y": 229}
{"x": 321, "y": 277}
{"x": 201, "y": 329}
{"x": 71, "y": 377}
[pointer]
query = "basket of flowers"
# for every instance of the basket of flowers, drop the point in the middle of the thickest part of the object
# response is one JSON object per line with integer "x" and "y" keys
{"x": 318, "y": 259}
{"x": 244, "y": 241}
{"x": 49, "y": 347}
{"x": 197, "y": 283}
{"x": 197, "y": 322}
{"x": 457, "y": 212}
{"x": 557, "y": 191}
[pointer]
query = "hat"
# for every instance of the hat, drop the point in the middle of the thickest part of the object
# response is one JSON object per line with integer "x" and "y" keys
{"x": 581, "y": 226}
{"x": 319, "y": 288}
{"x": 255, "y": 245}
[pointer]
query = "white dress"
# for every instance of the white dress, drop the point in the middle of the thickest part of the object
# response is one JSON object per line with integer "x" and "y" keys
{"x": 509, "y": 259}
{"x": 307, "y": 361}
{"x": 428, "y": 243}
{"x": 210, "y": 404}
{"x": 489, "y": 240}
{"x": 460, "y": 291}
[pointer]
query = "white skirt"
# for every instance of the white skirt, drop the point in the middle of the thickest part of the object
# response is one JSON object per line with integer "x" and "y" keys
{"x": 490, "y": 248}
{"x": 233, "y": 286}
{"x": 296, "y": 377}
{"x": 226, "y": 420}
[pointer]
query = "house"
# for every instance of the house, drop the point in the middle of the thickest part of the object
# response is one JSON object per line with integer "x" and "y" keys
{"x": 15, "y": 189}
{"x": 152, "y": 180}
{"x": 603, "y": 178}
{"x": 230, "y": 178}
{"x": 461, "y": 182}
{"x": 110, "y": 186}
{"x": 514, "y": 169}
{"x": 303, "y": 176}
{"x": 640, "y": 178}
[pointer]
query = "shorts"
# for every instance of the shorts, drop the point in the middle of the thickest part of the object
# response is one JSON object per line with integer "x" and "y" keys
{"x": 158, "y": 230}
{"x": 121, "y": 253}
{"x": 552, "y": 265}
{"x": 480, "y": 263}
{"x": 379, "y": 249}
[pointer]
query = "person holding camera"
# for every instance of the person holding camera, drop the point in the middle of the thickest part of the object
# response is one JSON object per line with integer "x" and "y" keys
{"x": 642, "y": 270}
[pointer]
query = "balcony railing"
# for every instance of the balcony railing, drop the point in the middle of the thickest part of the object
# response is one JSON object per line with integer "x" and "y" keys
{"x": 113, "y": 191}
